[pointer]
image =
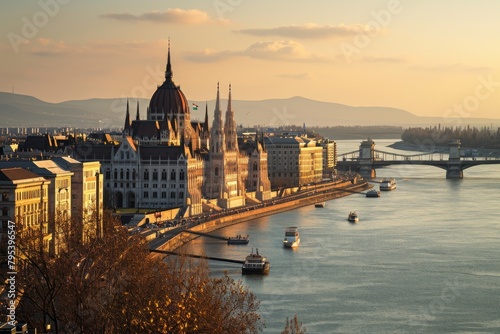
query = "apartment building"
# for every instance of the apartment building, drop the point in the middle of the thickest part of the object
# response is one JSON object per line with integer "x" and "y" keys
{"x": 24, "y": 204}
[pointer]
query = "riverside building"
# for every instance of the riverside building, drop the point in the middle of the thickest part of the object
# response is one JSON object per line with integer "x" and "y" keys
{"x": 169, "y": 161}
{"x": 24, "y": 202}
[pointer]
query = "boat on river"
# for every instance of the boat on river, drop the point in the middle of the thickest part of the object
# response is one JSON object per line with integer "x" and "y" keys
{"x": 255, "y": 264}
{"x": 320, "y": 205}
{"x": 373, "y": 193}
{"x": 388, "y": 184}
{"x": 292, "y": 237}
{"x": 353, "y": 217}
{"x": 238, "y": 240}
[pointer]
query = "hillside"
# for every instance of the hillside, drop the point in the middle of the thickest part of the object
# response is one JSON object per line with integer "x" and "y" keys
{"x": 23, "y": 110}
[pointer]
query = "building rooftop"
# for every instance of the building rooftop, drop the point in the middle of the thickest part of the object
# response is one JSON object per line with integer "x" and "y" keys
{"x": 18, "y": 174}
{"x": 39, "y": 167}
{"x": 270, "y": 141}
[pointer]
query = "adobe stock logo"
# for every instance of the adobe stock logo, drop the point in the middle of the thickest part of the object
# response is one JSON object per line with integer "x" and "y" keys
{"x": 222, "y": 6}
{"x": 483, "y": 90}
{"x": 381, "y": 19}
{"x": 31, "y": 27}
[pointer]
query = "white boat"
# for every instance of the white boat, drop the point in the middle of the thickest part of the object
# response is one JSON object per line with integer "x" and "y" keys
{"x": 388, "y": 184}
{"x": 292, "y": 237}
{"x": 320, "y": 205}
{"x": 353, "y": 217}
{"x": 255, "y": 264}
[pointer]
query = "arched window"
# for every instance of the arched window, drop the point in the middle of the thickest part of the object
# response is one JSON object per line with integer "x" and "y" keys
{"x": 121, "y": 174}
{"x": 128, "y": 174}
{"x": 133, "y": 174}
{"x": 216, "y": 171}
{"x": 172, "y": 175}
{"x": 146, "y": 174}
{"x": 108, "y": 174}
{"x": 255, "y": 165}
{"x": 164, "y": 174}
{"x": 115, "y": 174}
{"x": 155, "y": 174}
{"x": 181, "y": 175}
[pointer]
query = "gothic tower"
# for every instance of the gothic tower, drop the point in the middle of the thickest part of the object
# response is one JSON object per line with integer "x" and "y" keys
{"x": 230, "y": 127}
{"x": 222, "y": 180}
{"x": 128, "y": 125}
{"x": 257, "y": 171}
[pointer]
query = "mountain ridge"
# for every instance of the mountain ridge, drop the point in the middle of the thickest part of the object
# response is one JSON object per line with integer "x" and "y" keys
{"x": 18, "y": 110}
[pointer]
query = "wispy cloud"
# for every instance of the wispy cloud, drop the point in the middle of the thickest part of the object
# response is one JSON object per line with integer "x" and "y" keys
{"x": 384, "y": 59}
{"x": 296, "y": 76}
{"x": 47, "y": 47}
{"x": 283, "y": 50}
{"x": 280, "y": 50}
{"x": 171, "y": 15}
{"x": 457, "y": 67}
{"x": 209, "y": 55}
{"x": 310, "y": 31}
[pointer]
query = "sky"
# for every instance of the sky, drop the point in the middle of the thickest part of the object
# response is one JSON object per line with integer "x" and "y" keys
{"x": 431, "y": 58}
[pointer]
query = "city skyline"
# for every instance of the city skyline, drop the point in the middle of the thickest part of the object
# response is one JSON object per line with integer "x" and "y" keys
{"x": 429, "y": 59}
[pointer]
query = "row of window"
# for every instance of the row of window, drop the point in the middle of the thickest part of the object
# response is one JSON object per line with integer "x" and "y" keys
{"x": 91, "y": 173}
{"x": 63, "y": 183}
{"x": 163, "y": 194}
{"x": 146, "y": 185}
{"x": 127, "y": 175}
{"x": 30, "y": 194}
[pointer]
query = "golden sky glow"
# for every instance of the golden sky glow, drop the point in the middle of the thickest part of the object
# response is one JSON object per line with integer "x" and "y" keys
{"x": 431, "y": 58}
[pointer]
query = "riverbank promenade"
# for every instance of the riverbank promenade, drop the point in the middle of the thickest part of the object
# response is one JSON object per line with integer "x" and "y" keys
{"x": 173, "y": 238}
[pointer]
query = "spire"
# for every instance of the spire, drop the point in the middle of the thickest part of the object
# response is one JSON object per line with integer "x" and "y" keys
{"x": 126, "y": 128}
{"x": 168, "y": 72}
{"x": 206, "y": 128}
{"x": 229, "y": 103}
{"x": 137, "y": 118}
{"x": 217, "y": 106}
{"x": 230, "y": 126}
{"x": 217, "y": 143}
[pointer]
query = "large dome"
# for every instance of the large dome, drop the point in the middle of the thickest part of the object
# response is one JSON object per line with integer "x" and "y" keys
{"x": 168, "y": 99}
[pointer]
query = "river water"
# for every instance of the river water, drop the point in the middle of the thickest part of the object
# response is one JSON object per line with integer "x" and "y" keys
{"x": 424, "y": 258}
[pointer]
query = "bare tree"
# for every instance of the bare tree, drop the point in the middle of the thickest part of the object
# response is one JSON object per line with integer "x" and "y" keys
{"x": 113, "y": 285}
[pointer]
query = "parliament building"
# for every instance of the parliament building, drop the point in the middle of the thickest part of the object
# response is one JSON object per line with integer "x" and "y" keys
{"x": 168, "y": 160}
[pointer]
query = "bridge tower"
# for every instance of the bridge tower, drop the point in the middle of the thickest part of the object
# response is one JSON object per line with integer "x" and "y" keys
{"x": 454, "y": 168}
{"x": 366, "y": 158}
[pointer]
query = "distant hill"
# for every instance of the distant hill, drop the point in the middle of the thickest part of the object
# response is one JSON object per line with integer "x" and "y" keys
{"x": 23, "y": 110}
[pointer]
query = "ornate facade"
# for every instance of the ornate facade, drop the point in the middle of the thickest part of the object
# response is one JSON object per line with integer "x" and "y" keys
{"x": 169, "y": 161}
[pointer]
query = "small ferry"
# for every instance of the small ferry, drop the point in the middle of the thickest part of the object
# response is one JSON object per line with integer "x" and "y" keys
{"x": 388, "y": 184}
{"x": 292, "y": 237}
{"x": 320, "y": 205}
{"x": 373, "y": 193}
{"x": 238, "y": 240}
{"x": 353, "y": 217}
{"x": 255, "y": 264}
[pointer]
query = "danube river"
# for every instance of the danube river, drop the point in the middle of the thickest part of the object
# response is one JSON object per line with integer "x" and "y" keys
{"x": 424, "y": 258}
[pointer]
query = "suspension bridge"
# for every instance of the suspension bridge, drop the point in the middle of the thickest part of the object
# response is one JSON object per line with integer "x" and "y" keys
{"x": 367, "y": 159}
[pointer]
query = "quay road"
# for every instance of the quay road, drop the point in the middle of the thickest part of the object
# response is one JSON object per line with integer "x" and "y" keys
{"x": 173, "y": 238}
